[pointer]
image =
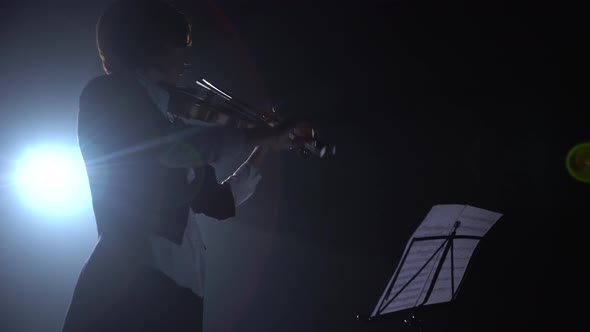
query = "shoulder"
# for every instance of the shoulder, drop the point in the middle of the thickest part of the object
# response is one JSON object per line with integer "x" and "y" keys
{"x": 111, "y": 94}
{"x": 107, "y": 87}
{"x": 109, "y": 101}
{"x": 115, "y": 111}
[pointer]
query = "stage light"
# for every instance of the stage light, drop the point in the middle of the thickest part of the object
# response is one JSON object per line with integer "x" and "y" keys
{"x": 53, "y": 180}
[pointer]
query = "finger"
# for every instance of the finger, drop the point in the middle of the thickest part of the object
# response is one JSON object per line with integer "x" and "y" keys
{"x": 299, "y": 142}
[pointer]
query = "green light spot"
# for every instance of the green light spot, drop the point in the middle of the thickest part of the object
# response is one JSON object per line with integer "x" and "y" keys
{"x": 577, "y": 162}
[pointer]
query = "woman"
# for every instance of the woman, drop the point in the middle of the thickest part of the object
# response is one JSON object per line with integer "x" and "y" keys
{"x": 146, "y": 272}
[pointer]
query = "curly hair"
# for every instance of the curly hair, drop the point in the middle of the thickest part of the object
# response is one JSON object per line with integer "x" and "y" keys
{"x": 134, "y": 34}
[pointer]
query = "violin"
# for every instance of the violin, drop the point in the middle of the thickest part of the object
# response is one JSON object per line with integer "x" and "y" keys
{"x": 207, "y": 103}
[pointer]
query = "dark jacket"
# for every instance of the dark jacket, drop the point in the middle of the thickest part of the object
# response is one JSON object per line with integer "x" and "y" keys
{"x": 122, "y": 137}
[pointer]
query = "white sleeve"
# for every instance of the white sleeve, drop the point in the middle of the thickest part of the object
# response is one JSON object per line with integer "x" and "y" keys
{"x": 243, "y": 182}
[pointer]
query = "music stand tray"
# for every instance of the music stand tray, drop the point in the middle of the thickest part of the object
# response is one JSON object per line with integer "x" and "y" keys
{"x": 436, "y": 257}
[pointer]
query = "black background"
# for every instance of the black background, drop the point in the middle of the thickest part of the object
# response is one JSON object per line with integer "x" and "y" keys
{"x": 428, "y": 103}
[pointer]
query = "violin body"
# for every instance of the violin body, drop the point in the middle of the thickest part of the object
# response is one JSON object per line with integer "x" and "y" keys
{"x": 207, "y": 103}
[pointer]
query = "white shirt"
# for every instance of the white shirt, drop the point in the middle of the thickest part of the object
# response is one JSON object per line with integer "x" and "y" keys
{"x": 186, "y": 263}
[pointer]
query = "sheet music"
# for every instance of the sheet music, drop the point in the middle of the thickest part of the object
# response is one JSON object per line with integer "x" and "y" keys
{"x": 410, "y": 283}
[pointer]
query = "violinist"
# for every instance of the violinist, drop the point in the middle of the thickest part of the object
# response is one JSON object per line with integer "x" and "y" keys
{"x": 146, "y": 272}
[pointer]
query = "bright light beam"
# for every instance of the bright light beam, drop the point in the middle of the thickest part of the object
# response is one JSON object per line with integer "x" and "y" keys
{"x": 53, "y": 180}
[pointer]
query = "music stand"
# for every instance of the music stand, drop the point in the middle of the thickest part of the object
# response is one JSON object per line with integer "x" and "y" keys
{"x": 435, "y": 259}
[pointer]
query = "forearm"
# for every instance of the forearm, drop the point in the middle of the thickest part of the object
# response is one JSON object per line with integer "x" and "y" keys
{"x": 208, "y": 145}
{"x": 207, "y": 196}
{"x": 242, "y": 182}
{"x": 257, "y": 156}
{"x": 259, "y": 136}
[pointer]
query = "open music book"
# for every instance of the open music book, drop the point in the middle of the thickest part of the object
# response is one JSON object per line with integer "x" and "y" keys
{"x": 436, "y": 257}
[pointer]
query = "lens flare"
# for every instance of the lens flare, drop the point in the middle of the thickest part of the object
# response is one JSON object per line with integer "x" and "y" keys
{"x": 578, "y": 162}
